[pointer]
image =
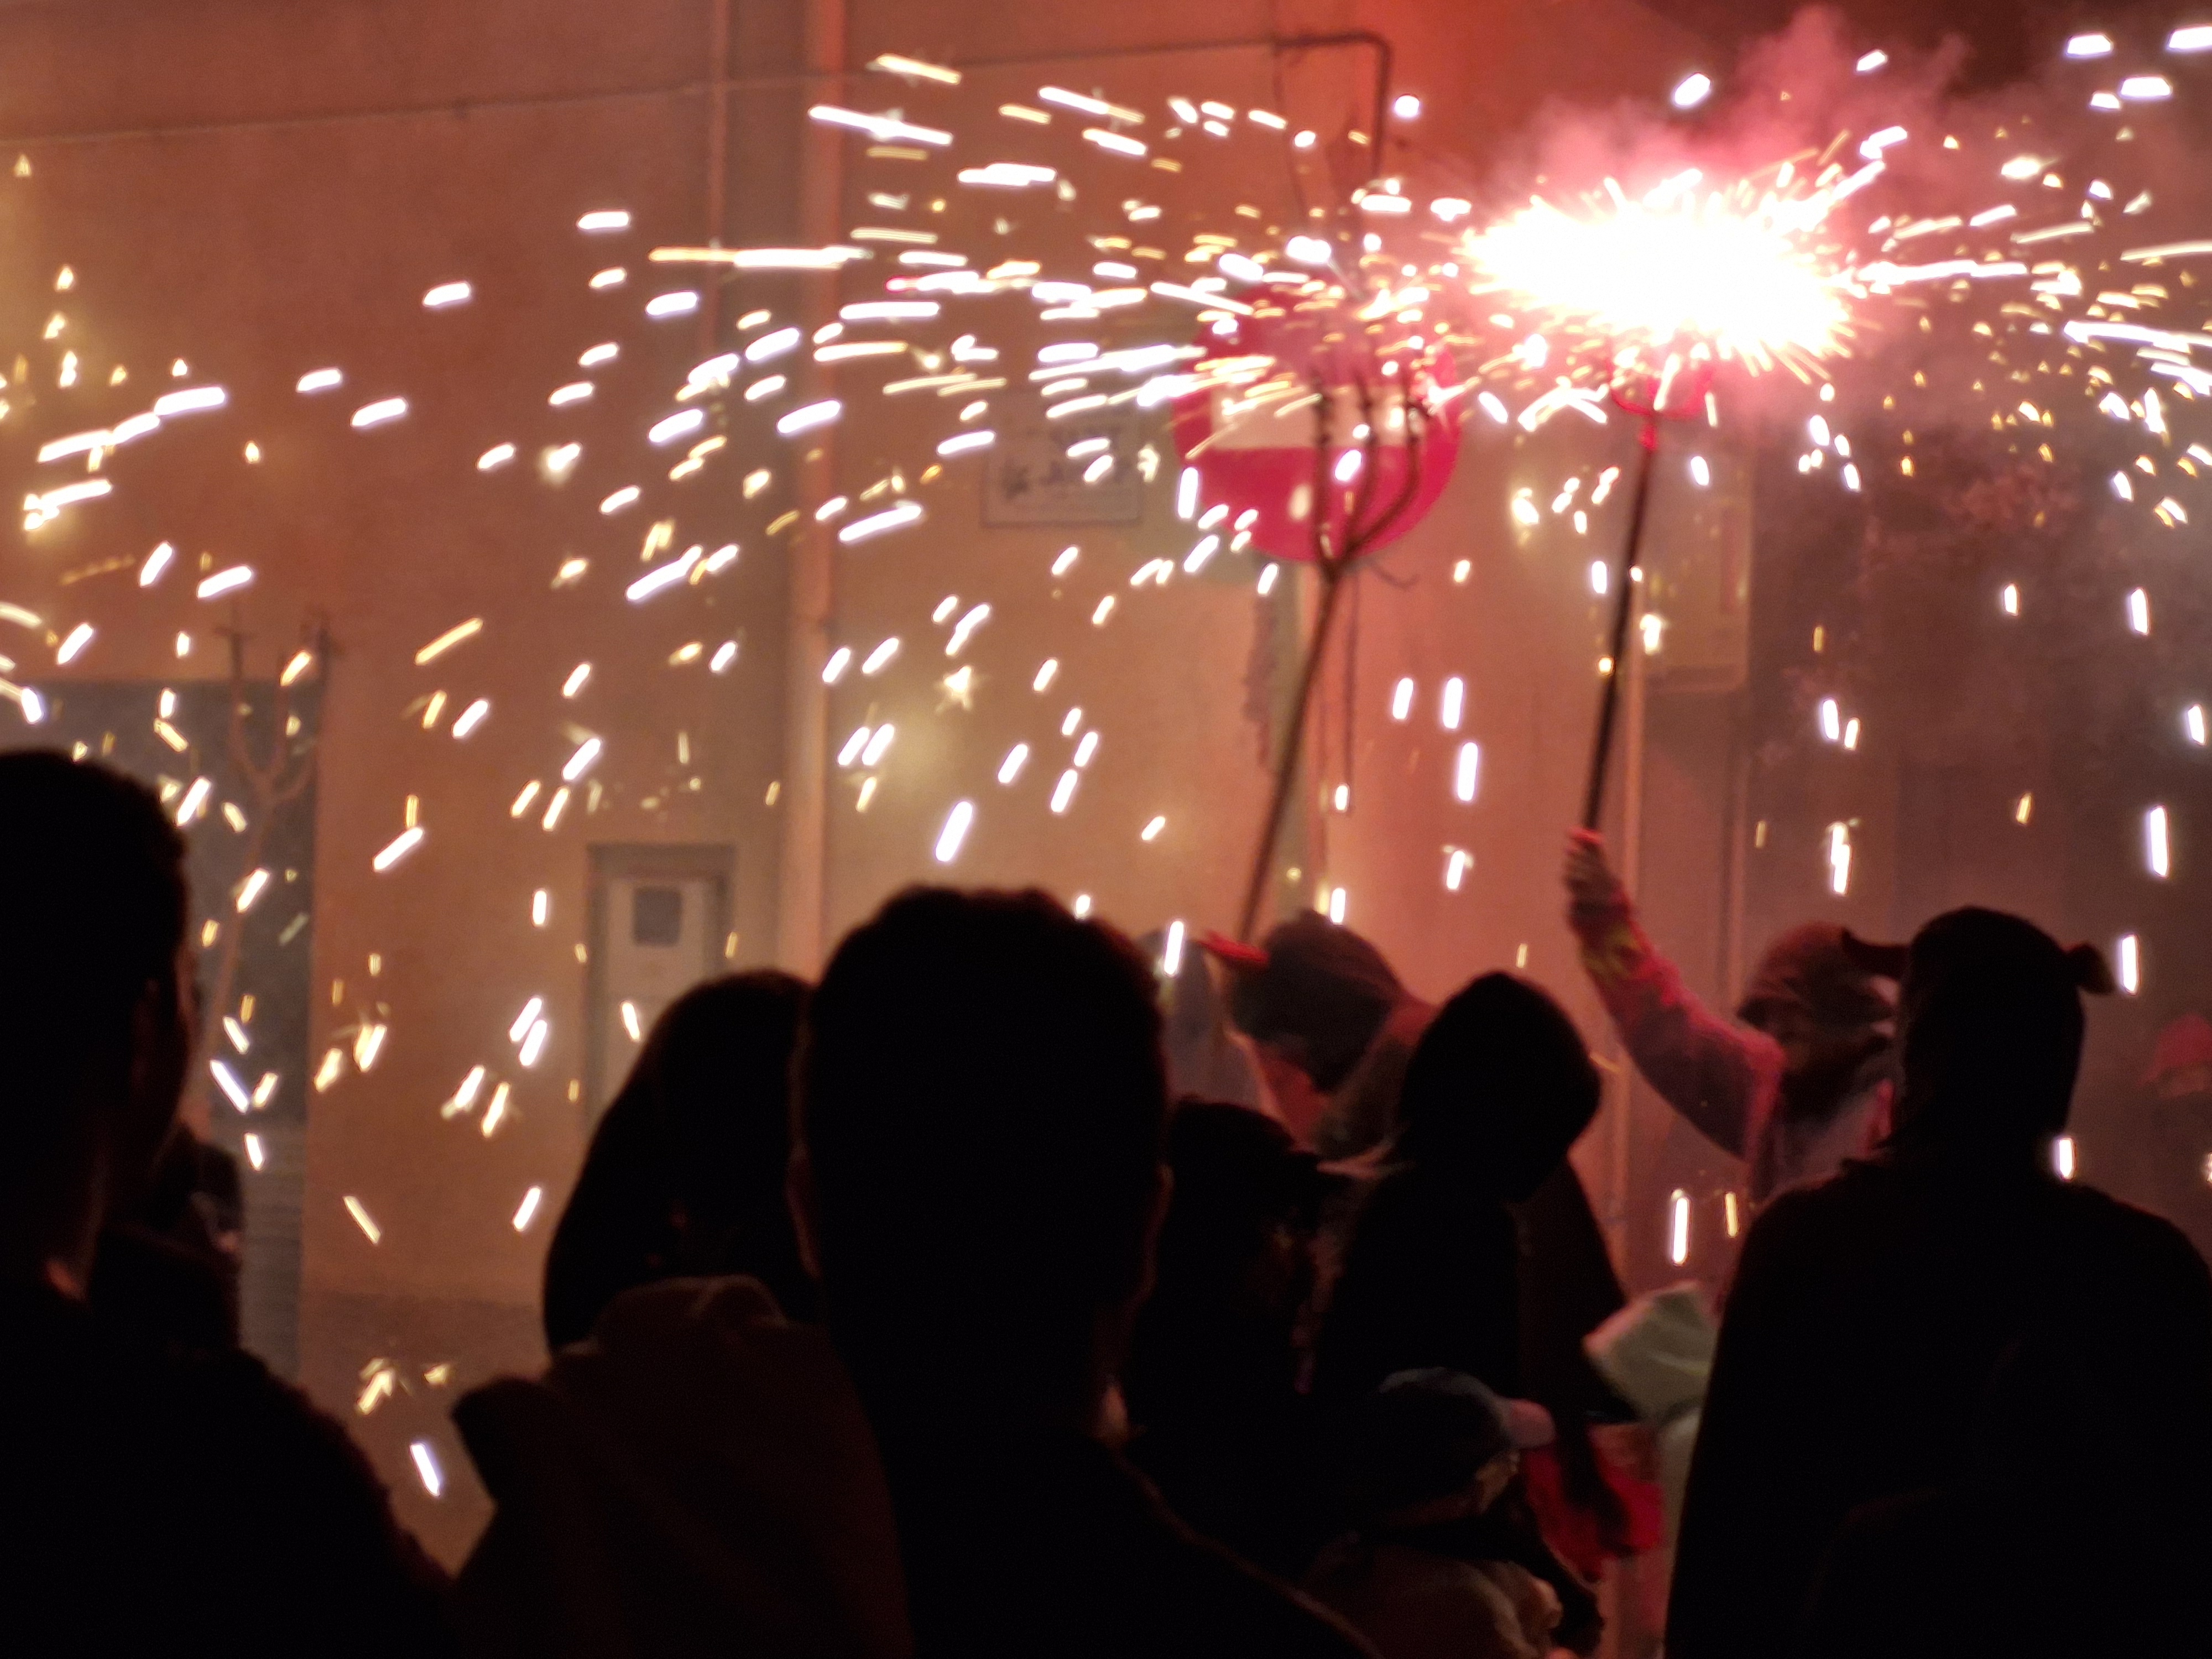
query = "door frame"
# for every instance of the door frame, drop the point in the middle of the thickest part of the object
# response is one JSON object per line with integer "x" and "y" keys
{"x": 716, "y": 862}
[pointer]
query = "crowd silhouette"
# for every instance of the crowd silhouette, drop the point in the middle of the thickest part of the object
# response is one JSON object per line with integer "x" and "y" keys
{"x": 913, "y": 1313}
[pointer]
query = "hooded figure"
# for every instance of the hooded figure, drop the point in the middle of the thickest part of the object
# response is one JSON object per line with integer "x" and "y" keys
{"x": 1333, "y": 1029}
{"x": 1475, "y": 1249}
{"x": 1870, "y": 1312}
{"x": 1434, "y": 1270}
{"x": 1800, "y": 1084}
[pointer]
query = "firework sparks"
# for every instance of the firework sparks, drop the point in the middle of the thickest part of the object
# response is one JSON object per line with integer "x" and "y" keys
{"x": 1750, "y": 274}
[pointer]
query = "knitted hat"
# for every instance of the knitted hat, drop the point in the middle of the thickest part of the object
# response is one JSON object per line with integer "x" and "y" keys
{"x": 1826, "y": 971}
{"x": 1500, "y": 1086}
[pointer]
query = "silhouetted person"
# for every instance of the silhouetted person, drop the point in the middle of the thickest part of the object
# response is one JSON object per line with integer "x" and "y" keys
{"x": 1212, "y": 1380}
{"x": 1499, "y": 1089}
{"x": 684, "y": 1177}
{"x": 1475, "y": 1250}
{"x": 982, "y": 1100}
{"x": 1870, "y": 1312}
{"x": 1801, "y": 1083}
{"x": 167, "y": 1268}
{"x": 156, "y": 1501}
{"x": 1332, "y": 1028}
{"x": 2078, "y": 1526}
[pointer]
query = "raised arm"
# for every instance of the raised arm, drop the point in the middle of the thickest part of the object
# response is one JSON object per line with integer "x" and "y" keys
{"x": 1722, "y": 1078}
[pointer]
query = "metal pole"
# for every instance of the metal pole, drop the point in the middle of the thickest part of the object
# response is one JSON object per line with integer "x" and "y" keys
{"x": 1624, "y": 605}
{"x": 1628, "y": 860}
{"x": 802, "y": 886}
{"x": 1286, "y": 767}
{"x": 718, "y": 156}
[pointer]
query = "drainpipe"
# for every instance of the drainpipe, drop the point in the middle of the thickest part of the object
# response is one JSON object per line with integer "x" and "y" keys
{"x": 802, "y": 920}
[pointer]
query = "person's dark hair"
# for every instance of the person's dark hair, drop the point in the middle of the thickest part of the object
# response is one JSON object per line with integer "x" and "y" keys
{"x": 1316, "y": 991}
{"x": 1989, "y": 1031}
{"x": 981, "y": 1097}
{"x": 1499, "y": 1087}
{"x": 1234, "y": 1265}
{"x": 93, "y": 903}
{"x": 685, "y": 1174}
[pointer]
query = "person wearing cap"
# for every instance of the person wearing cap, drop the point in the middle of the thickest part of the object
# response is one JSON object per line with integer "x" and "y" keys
{"x": 1421, "y": 1574}
{"x": 1332, "y": 1030}
{"x": 1801, "y": 1083}
{"x": 1872, "y": 1313}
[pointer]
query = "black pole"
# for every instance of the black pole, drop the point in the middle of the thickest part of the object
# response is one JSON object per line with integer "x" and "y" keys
{"x": 1624, "y": 604}
{"x": 1335, "y": 570}
{"x": 1287, "y": 767}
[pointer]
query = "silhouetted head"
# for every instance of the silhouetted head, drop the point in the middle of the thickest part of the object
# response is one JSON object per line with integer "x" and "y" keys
{"x": 1318, "y": 998}
{"x": 686, "y": 1173}
{"x": 1235, "y": 1266}
{"x": 96, "y": 1005}
{"x": 1989, "y": 1026}
{"x": 717, "y": 1065}
{"x": 1500, "y": 1087}
{"x": 981, "y": 1099}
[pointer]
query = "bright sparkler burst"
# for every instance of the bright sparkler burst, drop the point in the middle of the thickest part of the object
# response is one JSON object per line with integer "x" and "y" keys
{"x": 1750, "y": 275}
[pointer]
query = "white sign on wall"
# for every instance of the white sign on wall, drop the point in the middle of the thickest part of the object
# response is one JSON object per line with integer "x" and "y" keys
{"x": 1038, "y": 470}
